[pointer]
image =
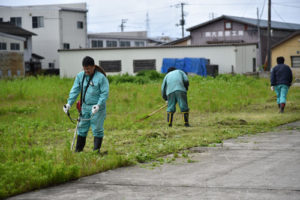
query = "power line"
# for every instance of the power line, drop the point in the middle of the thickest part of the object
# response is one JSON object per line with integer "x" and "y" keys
{"x": 282, "y": 18}
{"x": 285, "y": 5}
{"x": 262, "y": 11}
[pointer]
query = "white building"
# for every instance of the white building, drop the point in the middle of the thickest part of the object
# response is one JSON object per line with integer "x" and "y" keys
{"x": 238, "y": 58}
{"x": 61, "y": 26}
{"x": 118, "y": 39}
{"x": 15, "y": 50}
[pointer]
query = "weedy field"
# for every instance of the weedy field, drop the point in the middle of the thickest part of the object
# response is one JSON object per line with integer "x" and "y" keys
{"x": 36, "y": 135}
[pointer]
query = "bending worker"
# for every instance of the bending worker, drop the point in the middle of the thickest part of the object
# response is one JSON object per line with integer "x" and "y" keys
{"x": 94, "y": 87}
{"x": 281, "y": 79}
{"x": 174, "y": 89}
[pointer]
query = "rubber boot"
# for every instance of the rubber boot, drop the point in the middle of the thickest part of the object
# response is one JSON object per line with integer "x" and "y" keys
{"x": 186, "y": 119}
{"x": 80, "y": 143}
{"x": 97, "y": 144}
{"x": 282, "y": 105}
{"x": 170, "y": 118}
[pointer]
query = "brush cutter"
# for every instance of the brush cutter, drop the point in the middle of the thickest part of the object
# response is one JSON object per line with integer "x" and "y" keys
{"x": 78, "y": 121}
{"x": 75, "y": 132}
{"x": 149, "y": 115}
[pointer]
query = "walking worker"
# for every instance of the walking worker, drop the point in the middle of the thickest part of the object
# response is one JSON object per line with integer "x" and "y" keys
{"x": 94, "y": 88}
{"x": 174, "y": 89}
{"x": 281, "y": 79}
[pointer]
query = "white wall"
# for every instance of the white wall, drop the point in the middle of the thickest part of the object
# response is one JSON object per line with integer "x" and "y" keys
{"x": 77, "y": 38}
{"x": 8, "y": 39}
{"x": 244, "y": 59}
{"x": 224, "y": 56}
{"x": 28, "y": 51}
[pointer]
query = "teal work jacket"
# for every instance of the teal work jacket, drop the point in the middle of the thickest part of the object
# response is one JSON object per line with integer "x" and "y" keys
{"x": 97, "y": 92}
{"x": 175, "y": 80}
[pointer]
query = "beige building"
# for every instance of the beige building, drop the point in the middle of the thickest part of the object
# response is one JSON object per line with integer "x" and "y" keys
{"x": 289, "y": 48}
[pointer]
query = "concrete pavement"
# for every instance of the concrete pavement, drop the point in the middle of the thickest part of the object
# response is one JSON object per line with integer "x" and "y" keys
{"x": 262, "y": 166}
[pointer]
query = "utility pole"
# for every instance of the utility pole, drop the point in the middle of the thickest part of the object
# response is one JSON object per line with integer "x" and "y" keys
{"x": 147, "y": 24}
{"x": 211, "y": 16}
{"x": 258, "y": 62}
{"x": 269, "y": 36}
{"x": 182, "y": 22}
{"x": 122, "y": 24}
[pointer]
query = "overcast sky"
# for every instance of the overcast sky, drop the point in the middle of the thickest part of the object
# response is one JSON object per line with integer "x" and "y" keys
{"x": 163, "y": 15}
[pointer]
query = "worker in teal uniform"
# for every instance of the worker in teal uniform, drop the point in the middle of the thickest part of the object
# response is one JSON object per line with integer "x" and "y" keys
{"x": 94, "y": 88}
{"x": 174, "y": 89}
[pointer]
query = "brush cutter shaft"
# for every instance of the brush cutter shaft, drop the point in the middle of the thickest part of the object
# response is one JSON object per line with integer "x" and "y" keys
{"x": 75, "y": 133}
{"x": 149, "y": 115}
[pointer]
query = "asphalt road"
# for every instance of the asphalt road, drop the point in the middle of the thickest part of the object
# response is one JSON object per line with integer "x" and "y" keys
{"x": 261, "y": 166}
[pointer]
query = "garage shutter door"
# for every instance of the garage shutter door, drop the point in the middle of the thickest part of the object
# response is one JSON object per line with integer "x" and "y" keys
{"x": 296, "y": 61}
{"x": 110, "y": 65}
{"x": 140, "y": 65}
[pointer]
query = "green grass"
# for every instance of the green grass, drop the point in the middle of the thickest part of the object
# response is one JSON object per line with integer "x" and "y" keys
{"x": 36, "y": 135}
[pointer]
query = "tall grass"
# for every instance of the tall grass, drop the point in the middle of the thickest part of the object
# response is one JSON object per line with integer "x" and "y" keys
{"x": 35, "y": 134}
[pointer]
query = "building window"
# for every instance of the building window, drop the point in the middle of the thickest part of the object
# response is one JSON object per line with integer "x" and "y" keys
{"x": 227, "y": 25}
{"x": 207, "y": 34}
{"x": 0, "y": 73}
{"x": 37, "y": 22}
{"x": 295, "y": 61}
{"x": 80, "y": 25}
{"x": 111, "y": 43}
{"x": 2, "y": 46}
{"x": 110, "y": 65}
{"x": 14, "y": 46}
{"x": 124, "y": 43}
{"x": 51, "y": 65}
{"x": 9, "y": 73}
{"x": 241, "y": 33}
{"x": 220, "y": 34}
{"x": 97, "y": 43}
{"x": 227, "y": 33}
{"x": 140, "y": 65}
{"x": 139, "y": 43}
{"x": 17, "y": 21}
{"x": 66, "y": 46}
{"x": 18, "y": 73}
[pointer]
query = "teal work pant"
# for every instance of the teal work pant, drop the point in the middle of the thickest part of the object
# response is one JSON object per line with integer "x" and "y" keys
{"x": 181, "y": 98}
{"x": 281, "y": 92}
{"x": 96, "y": 122}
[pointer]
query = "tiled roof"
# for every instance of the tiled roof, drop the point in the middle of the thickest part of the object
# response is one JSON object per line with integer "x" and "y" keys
{"x": 251, "y": 21}
{"x": 286, "y": 39}
{"x": 6, "y": 27}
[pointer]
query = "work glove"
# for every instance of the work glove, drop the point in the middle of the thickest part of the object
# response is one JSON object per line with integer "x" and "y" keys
{"x": 272, "y": 88}
{"x": 66, "y": 108}
{"x": 95, "y": 109}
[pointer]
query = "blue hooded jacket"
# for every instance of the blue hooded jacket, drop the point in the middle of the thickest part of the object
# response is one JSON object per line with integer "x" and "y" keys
{"x": 281, "y": 74}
